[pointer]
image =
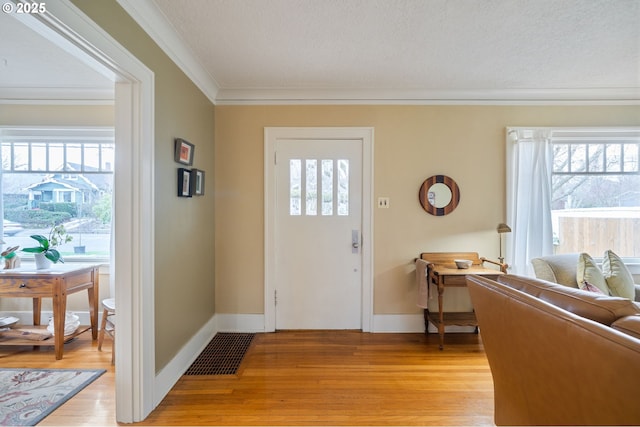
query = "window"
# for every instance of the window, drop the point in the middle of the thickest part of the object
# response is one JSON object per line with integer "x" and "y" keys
{"x": 58, "y": 176}
{"x": 572, "y": 190}
{"x": 324, "y": 178}
{"x": 595, "y": 197}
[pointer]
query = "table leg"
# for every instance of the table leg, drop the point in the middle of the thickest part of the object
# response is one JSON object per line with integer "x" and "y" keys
{"x": 59, "y": 314}
{"x": 441, "y": 314}
{"x": 93, "y": 292}
{"x": 37, "y": 308}
{"x": 426, "y": 321}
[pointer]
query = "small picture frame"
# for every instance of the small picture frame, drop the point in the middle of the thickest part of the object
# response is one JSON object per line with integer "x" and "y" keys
{"x": 184, "y": 182}
{"x": 184, "y": 151}
{"x": 197, "y": 182}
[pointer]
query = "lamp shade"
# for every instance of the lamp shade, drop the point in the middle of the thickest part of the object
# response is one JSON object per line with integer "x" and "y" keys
{"x": 503, "y": 228}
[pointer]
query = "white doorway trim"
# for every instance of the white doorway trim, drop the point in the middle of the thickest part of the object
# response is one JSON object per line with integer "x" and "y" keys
{"x": 134, "y": 194}
{"x": 271, "y": 136}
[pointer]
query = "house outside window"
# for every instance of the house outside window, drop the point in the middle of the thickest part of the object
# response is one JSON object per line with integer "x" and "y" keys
{"x": 54, "y": 175}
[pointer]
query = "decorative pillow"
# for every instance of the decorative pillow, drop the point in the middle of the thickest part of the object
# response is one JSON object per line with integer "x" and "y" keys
{"x": 586, "y": 286}
{"x": 617, "y": 275}
{"x": 588, "y": 271}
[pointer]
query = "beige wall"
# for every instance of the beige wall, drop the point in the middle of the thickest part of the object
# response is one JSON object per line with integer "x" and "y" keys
{"x": 184, "y": 286}
{"x": 56, "y": 115}
{"x": 412, "y": 143}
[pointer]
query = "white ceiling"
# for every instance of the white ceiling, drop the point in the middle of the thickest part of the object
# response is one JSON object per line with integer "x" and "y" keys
{"x": 484, "y": 51}
{"x": 412, "y": 49}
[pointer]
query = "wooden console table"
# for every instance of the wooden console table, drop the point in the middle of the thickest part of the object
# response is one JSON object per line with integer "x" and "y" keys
{"x": 56, "y": 283}
{"x": 443, "y": 273}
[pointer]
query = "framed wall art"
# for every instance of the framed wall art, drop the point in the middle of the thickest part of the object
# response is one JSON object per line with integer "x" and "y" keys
{"x": 197, "y": 182}
{"x": 184, "y": 151}
{"x": 184, "y": 182}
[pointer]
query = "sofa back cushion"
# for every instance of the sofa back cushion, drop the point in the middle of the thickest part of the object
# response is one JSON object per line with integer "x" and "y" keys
{"x": 557, "y": 269}
{"x": 600, "y": 308}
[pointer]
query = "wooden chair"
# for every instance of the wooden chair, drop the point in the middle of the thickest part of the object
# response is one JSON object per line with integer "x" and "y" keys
{"x": 108, "y": 325}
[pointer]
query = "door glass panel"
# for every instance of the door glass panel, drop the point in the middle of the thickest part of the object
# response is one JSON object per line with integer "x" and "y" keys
{"x": 327, "y": 187}
{"x": 312, "y": 187}
{"x": 343, "y": 187}
{"x": 295, "y": 187}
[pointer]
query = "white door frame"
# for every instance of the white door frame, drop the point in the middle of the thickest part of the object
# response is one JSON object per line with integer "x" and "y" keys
{"x": 133, "y": 259}
{"x": 271, "y": 136}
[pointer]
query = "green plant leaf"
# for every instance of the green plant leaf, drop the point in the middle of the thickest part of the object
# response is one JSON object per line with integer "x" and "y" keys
{"x": 37, "y": 250}
{"x": 53, "y": 255}
{"x": 44, "y": 242}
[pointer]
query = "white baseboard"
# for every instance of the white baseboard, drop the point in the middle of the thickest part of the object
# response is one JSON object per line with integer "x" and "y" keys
{"x": 171, "y": 373}
{"x": 409, "y": 323}
{"x": 382, "y": 323}
{"x": 250, "y": 323}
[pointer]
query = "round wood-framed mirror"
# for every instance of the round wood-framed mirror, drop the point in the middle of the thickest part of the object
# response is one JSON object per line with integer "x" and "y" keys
{"x": 439, "y": 195}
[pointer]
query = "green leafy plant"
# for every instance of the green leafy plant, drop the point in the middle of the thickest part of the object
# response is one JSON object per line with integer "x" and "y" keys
{"x": 57, "y": 236}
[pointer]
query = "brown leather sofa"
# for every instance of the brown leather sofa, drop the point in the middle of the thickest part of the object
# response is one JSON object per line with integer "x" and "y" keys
{"x": 558, "y": 355}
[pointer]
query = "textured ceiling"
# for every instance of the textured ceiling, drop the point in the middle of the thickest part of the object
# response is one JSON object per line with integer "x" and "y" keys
{"x": 485, "y": 47}
{"x": 364, "y": 50}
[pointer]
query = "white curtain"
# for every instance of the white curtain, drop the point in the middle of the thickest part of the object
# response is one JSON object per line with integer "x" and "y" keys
{"x": 529, "y": 163}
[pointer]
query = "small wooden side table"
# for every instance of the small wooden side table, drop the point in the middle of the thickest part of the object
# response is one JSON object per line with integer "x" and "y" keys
{"x": 443, "y": 273}
{"x": 56, "y": 283}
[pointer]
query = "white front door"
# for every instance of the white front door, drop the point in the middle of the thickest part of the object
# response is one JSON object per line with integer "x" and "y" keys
{"x": 318, "y": 231}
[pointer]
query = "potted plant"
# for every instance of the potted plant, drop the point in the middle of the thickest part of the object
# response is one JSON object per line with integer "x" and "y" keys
{"x": 46, "y": 253}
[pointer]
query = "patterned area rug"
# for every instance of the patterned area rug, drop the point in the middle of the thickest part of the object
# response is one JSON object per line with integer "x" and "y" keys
{"x": 27, "y": 396}
{"x": 223, "y": 355}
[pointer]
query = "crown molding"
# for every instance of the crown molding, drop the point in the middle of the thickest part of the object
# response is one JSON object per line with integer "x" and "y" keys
{"x": 624, "y": 96}
{"x": 154, "y": 23}
{"x": 56, "y": 96}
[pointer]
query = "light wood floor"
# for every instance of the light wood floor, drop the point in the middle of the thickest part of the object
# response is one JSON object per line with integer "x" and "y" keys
{"x": 301, "y": 378}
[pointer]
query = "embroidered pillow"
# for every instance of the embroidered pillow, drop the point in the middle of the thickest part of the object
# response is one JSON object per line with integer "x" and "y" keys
{"x": 618, "y": 277}
{"x": 588, "y": 271}
{"x": 586, "y": 286}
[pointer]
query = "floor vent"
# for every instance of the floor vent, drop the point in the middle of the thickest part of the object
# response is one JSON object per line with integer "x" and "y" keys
{"x": 222, "y": 356}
